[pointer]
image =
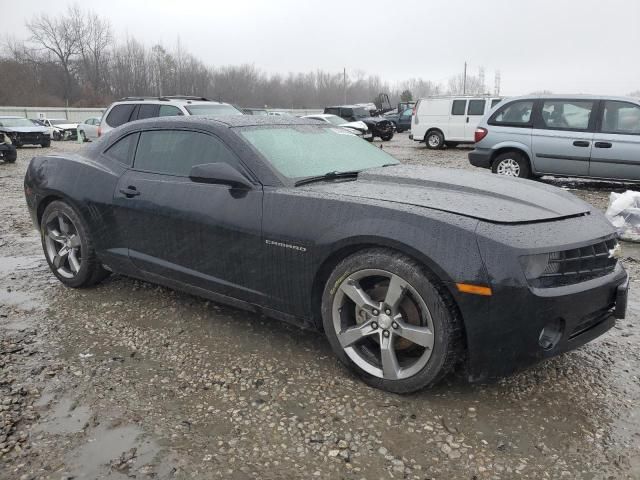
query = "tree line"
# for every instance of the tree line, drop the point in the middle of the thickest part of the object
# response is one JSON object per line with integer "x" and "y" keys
{"x": 73, "y": 59}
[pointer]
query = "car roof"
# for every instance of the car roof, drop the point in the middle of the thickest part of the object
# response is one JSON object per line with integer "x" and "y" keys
{"x": 10, "y": 116}
{"x": 348, "y": 106}
{"x": 169, "y": 100}
{"x": 231, "y": 121}
{"x": 320, "y": 115}
{"x": 570, "y": 96}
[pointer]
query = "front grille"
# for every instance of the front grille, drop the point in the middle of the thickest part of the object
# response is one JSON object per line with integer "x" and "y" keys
{"x": 578, "y": 265}
{"x": 29, "y": 137}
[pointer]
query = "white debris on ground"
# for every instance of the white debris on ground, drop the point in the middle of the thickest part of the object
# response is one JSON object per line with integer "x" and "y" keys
{"x": 624, "y": 214}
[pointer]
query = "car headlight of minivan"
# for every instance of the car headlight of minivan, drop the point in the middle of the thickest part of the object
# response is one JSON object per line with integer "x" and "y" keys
{"x": 535, "y": 266}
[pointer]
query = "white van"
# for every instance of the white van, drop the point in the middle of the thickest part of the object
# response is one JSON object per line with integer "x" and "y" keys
{"x": 440, "y": 121}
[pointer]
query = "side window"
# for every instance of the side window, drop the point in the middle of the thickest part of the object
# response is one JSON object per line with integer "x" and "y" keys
{"x": 169, "y": 111}
{"x": 495, "y": 101}
{"x": 458, "y": 107}
{"x": 174, "y": 152}
{"x": 119, "y": 115}
{"x": 566, "y": 114}
{"x": 333, "y": 111}
{"x": 347, "y": 113}
{"x": 516, "y": 113}
{"x": 476, "y": 107}
{"x": 147, "y": 111}
{"x": 123, "y": 149}
{"x": 407, "y": 112}
{"x": 621, "y": 117}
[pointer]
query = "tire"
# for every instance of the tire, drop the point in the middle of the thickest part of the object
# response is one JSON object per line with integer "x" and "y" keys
{"x": 434, "y": 140}
{"x": 62, "y": 228}
{"x": 511, "y": 164}
{"x": 423, "y": 307}
{"x": 56, "y": 136}
{"x": 83, "y": 137}
{"x": 386, "y": 138}
{"x": 11, "y": 158}
{"x": 46, "y": 143}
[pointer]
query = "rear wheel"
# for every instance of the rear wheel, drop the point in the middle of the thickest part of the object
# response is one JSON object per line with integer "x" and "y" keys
{"x": 83, "y": 137}
{"x": 387, "y": 137}
{"x": 68, "y": 246}
{"x": 434, "y": 140}
{"x": 388, "y": 321}
{"x": 511, "y": 164}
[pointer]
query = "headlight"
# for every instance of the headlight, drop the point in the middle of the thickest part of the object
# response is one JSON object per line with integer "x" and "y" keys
{"x": 535, "y": 266}
{"x": 6, "y": 139}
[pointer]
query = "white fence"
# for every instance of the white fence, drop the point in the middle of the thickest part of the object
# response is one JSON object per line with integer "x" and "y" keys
{"x": 80, "y": 114}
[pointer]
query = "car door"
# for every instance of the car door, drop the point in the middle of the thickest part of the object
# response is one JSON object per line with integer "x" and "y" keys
{"x": 457, "y": 121}
{"x": 200, "y": 234}
{"x": 404, "y": 122}
{"x": 562, "y": 136}
{"x": 475, "y": 112}
{"x": 616, "y": 142}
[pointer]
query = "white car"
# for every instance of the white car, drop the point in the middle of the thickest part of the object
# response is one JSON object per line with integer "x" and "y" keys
{"x": 359, "y": 128}
{"x": 60, "y": 128}
{"x": 449, "y": 120}
{"x": 88, "y": 130}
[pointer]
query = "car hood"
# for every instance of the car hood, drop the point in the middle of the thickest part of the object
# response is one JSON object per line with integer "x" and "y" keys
{"x": 64, "y": 126}
{"x": 374, "y": 120}
{"x": 33, "y": 129}
{"x": 360, "y": 126}
{"x": 483, "y": 196}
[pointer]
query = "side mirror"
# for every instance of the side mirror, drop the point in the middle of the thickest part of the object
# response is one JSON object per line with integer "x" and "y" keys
{"x": 221, "y": 173}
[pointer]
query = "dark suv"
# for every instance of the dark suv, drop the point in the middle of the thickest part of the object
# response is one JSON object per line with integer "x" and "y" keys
{"x": 378, "y": 126}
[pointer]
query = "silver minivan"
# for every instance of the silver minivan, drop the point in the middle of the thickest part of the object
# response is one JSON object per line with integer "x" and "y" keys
{"x": 568, "y": 135}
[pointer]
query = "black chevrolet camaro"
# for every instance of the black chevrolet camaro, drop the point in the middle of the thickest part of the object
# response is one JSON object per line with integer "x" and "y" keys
{"x": 408, "y": 270}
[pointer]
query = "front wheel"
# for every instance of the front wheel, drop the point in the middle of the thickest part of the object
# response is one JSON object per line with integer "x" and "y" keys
{"x": 389, "y": 322}
{"x": 68, "y": 246}
{"x": 57, "y": 136}
{"x": 83, "y": 137}
{"x": 434, "y": 140}
{"x": 387, "y": 137}
{"x": 511, "y": 164}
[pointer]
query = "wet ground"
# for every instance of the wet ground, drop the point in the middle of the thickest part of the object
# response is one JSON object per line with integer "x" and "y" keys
{"x": 131, "y": 380}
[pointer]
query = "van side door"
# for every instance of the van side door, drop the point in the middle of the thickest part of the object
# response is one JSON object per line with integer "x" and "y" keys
{"x": 457, "y": 121}
{"x": 616, "y": 142}
{"x": 475, "y": 112}
{"x": 562, "y": 136}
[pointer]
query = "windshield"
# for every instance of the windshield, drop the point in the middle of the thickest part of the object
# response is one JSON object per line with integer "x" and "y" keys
{"x": 213, "y": 110}
{"x": 15, "y": 122}
{"x": 305, "y": 150}
{"x": 361, "y": 113}
{"x": 336, "y": 120}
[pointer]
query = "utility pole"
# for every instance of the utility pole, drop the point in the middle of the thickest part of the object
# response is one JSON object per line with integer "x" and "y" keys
{"x": 464, "y": 81}
{"x": 344, "y": 84}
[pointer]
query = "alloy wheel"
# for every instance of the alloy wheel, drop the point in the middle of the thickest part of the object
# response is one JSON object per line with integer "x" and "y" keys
{"x": 383, "y": 324}
{"x": 434, "y": 140}
{"x": 508, "y": 167}
{"x": 64, "y": 245}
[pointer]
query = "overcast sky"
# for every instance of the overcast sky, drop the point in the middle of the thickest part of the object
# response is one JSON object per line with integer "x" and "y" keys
{"x": 566, "y": 46}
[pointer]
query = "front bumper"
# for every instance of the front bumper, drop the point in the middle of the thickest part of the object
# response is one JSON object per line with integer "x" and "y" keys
{"x": 508, "y": 338}
{"x": 30, "y": 138}
{"x": 480, "y": 158}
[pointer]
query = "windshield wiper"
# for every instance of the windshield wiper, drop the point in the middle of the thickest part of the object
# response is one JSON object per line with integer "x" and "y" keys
{"x": 327, "y": 176}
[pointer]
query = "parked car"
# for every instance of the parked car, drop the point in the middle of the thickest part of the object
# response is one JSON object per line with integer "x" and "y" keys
{"x": 88, "y": 130}
{"x": 451, "y": 120}
{"x": 60, "y": 128}
{"x": 401, "y": 121}
{"x": 407, "y": 269}
{"x": 137, "y": 108}
{"x": 255, "y": 111}
{"x": 358, "y": 128}
{"x": 378, "y": 126}
{"x": 280, "y": 114}
{"x": 8, "y": 152}
{"x": 578, "y": 136}
{"x": 21, "y": 131}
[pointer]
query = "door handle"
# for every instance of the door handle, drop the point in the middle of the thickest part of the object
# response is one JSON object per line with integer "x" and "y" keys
{"x": 603, "y": 144}
{"x": 580, "y": 143}
{"x": 130, "y": 191}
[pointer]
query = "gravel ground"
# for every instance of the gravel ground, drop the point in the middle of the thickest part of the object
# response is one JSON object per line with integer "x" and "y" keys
{"x": 131, "y": 380}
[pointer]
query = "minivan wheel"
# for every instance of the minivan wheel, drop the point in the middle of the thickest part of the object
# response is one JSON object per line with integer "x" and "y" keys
{"x": 388, "y": 322}
{"x": 434, "y": 140}
{"x": 511, "y": 164}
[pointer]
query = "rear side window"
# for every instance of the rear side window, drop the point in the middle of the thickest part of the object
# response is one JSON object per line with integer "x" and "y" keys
{"x": 495, "y": 101}
{"x": 566, "y": 114}
{"x": 147, "y": 111}
{"x": 174, "y": 152}
{"x": 458, "y": 107}
{"x": 119, "y": 115}
{"x": 476, "y": 107}
{"x": 123, "y": 149}
{"x": 332, "y": 111}
{"x": 621, "y": 117}
{"x": 169, "y": 111}
{"x": 516, "y": 113}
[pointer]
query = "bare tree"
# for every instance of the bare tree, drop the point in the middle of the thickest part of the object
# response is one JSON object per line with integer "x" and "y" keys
{"x": 95, "y": 39}
{"x": 59, "y": 37}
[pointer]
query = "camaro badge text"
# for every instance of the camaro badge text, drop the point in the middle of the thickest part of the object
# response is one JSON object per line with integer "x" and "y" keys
{"x": 285, "y": 245}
